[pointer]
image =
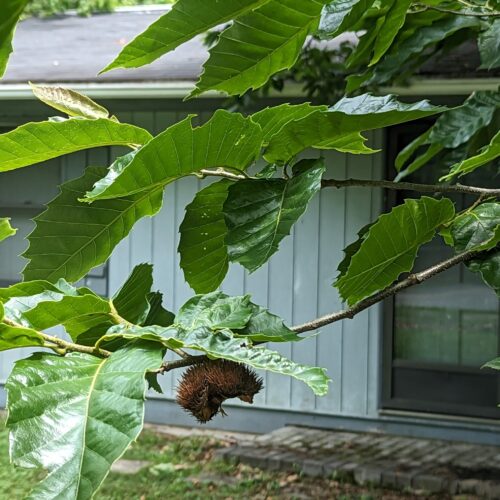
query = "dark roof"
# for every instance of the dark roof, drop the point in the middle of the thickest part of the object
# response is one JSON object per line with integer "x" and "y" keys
{"x": 72, "y": 49}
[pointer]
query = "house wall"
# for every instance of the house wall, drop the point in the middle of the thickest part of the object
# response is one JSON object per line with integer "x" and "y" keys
{"x": 295, "y": 284}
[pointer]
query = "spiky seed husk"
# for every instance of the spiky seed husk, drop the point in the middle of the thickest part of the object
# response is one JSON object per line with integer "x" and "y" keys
{"x": 204, "y": 387}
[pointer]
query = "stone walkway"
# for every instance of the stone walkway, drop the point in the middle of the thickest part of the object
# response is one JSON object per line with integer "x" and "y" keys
{"x": 391, "y": 461}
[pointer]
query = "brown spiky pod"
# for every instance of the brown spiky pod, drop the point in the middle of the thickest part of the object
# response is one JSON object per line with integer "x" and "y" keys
{"x": 204, "y": 387}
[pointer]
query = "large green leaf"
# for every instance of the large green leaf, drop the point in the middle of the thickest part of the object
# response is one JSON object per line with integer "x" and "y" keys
{"x": 131, "y": 301}
{"x": 215, "y": 310}
{"x": 396, "y": 59}
{"x": 393, "y": 21}
{"x": 69, "y": 101}
{"x": 6, "y": 230}
{"x": 71, "y": 238}
{"x": 36, "y": 142}
{"x": 488, "y": 154}
{"x": 391, "y": 245}
{"x": 347, "y": 117}
{"x": 76, "y": 415}
{"x": 495, "y": 364}
{"x": 259, "y": 44}
{"x": 260, "y": 213}
{"x": 489, "y": 46}
{"x": 11, "y": 12}
{"x": 224, "y": 345}
{"x": 478, "y": 229}
{"x": 202, "y": 244}
{"x": 15, "y": 337}
{"x": 184, "y": 21}
{"x": 226, "y": 140}
{"x": 157, "y": 314}
{"x": 340, "y": 16}
{"x": 274, "y": 118}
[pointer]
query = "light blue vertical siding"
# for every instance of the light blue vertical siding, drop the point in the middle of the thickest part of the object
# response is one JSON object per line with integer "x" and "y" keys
{"x": 296, "y": 283}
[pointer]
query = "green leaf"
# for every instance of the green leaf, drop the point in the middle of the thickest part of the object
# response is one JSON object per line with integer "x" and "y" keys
{"x": 340, "y": 16}
{"x": 352, "y": 249}
{"x": 36, "y": 142}
{"x": 478, "y": 229}
{"x": 215, "y": 310}
{"x": 260, "y": 213}
{"x": 258, "y": 45}
{"x": 11, "y": 12}
{"x": 227, "y": 140}
{"x": 353, "y": 143}
{"x": 224, "y": 345}
{"x": 347, "y": 117}
{"x": 76, "y": 415}
{"x": 488, "y": 266}
{"x": 26, "y": 289}
{"x": 131, "y": 301}
{"x": 458, "y": 125}
{"x": 202, "y": 245}
{"x": 6, "y": 230}
{"x": 391, "y": 245}
{"x": 185, "y": 20}
{"x": 489, "y": 46}
{"x": 71, "y": 238}
{"x": 420, "y": 161}
{"x": 393, "y": 21}
{"x": 69, "y": 101}
{"x": 264, "y": 326}
{"x": 488, "y": 154}
{"x": 273, "y": 119}
{"x": 15, "y": 337}
{"x": 495, "y": 364}
{"x": 158, "y": 315}
{"x": 396, "y": 59}
{"x": 407, "y": 152}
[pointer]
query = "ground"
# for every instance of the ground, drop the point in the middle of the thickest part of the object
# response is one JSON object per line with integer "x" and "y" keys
{"x": 185, "y": 468}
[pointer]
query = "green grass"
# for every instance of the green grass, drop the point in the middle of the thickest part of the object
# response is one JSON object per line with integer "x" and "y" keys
{"x": 184, "y": 469}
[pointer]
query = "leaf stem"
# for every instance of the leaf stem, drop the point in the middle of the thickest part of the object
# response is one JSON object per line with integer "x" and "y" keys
{"x": 411, "y": 280}
{"x": 62, "y": 346}
{"x": 411, "y": 186}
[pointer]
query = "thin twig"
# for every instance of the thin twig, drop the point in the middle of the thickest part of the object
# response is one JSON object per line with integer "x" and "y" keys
{"x": 412, "y": 279}
{"x": 181, "y": 363}
{"x": 220, "y": 172}
{"x": 411, "y": 186}
{"x": 62, "y": 344}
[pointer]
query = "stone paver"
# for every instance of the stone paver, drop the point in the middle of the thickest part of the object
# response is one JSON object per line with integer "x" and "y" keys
{"x": 372, "y": 458}
{"x": 129, "y": 466}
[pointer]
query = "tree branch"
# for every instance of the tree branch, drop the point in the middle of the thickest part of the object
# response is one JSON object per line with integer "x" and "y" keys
{"x": 221, "y": 172}
{"x": 181, "y": 363}
{"x": 411, "y": 186}
{"x": 412, "y": 279}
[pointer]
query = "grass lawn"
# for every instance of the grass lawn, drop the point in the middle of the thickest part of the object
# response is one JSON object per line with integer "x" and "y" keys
{"x": 184, "y": 468}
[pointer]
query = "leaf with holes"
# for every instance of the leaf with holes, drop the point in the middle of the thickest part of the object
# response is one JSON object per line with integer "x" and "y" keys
{"x": 36, "y": 142}
{"x": 258, "y": 45}
{"x": 226, "y": 140}
{"x": 202, "y": 244}
{"x": 225, "y": 345}
{"x": 76, "y": 415}
{"x": 185, "y": 20}
{"x": 391, "y": 245}
{"x": 260, "y": 213}
{"x": 69, "y": 101}
{"x": 71, "y": 238}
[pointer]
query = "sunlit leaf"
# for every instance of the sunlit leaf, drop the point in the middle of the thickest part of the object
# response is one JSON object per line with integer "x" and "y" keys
{"x": 340, "y": 16}
{"x": 6, "y": 230}
{"x": 76, "y": 415}
{"x": 489, "y": 46}
{"x": 36, "y": 142}
{"x": 11, "y": 12}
